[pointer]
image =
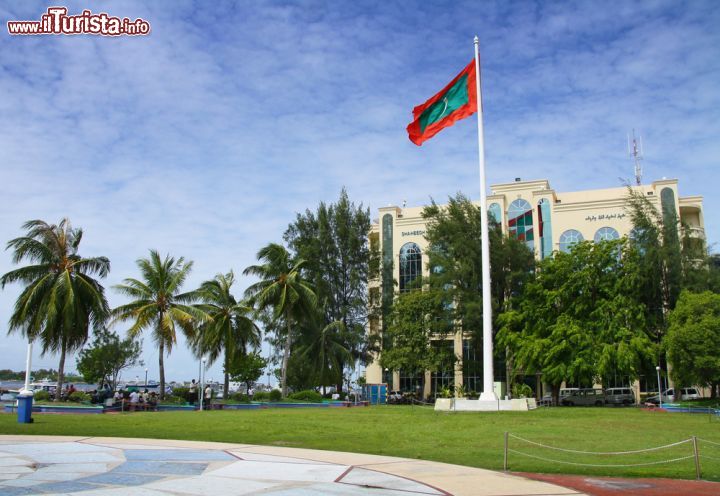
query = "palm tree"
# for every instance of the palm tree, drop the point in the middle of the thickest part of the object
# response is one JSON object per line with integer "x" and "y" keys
{"x": 61, "y": 299}
{"x": 281, "y": 288}
{"x": 157, "y": 304}
{"x": 327, "y": 352}
{"x": 230, "y": 331}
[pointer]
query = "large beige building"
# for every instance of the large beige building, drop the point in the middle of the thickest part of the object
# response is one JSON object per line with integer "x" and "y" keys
{"x": 547, "y": 220}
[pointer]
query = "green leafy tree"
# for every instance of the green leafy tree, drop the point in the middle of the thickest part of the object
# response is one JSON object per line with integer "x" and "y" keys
{"x": 61, "y": 299}
{"x": 247, "y": 368}
{"x": 577, "y": 320}
{"x": 454, "y": 234}
{"x": 693, "y": 340}
{"x": 334, "y": 242}
{"x": 230, "y": 329}
{"x": 107, "y": 357}
{"x": 282, "y": 288}
{"x": 159, "y": 306}
{"x": 417, "y": 318}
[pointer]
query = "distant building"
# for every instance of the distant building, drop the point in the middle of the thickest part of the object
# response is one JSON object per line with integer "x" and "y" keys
{"x": 531, "y": 211}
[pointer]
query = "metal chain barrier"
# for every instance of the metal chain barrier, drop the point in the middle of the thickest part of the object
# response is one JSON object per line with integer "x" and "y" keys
{"x": 418, "y": 402}
{"x": 600, "y": 452}
{"x": 601, "y": 464}
{"x": 695, "y": 455}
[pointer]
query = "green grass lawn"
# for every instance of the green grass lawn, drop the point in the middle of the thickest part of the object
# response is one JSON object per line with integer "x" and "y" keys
{"x": 474, "y": 439}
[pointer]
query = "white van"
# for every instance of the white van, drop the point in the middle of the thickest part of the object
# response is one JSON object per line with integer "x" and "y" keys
{"x": 619, "y": 396}
{"x": 668, "y": 395}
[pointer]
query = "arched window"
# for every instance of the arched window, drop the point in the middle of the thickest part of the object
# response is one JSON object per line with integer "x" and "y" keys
{"x": 410, "y": 265}
{"x": 569, "y": 238}
{"x": 606, "y": 234}
{"x": 495, "y": 213}
{"x": 520, "y": 222}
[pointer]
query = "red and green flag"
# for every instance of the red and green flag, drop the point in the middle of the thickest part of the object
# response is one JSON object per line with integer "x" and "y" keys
{"x": 455, "y": 101}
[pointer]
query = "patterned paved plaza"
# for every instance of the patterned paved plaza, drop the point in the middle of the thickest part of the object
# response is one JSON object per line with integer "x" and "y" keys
{"x": 111, "y": 466}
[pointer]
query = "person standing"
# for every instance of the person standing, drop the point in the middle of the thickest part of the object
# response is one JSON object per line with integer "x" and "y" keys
{"x": 208, "y": 397}
{"x": 192, "y": 392}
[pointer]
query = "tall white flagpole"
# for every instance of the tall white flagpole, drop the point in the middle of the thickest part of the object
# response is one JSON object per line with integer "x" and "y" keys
{"x": 488, "y": 393}
{"x": 28, "y": 364}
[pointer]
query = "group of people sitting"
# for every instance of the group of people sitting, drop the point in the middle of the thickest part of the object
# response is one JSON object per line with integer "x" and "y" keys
{"x": 66, "y": 392}
{"x": 137, "y": 400}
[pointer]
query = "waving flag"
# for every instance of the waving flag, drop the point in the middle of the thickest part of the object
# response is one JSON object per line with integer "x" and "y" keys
{"x": 455, "y": 101}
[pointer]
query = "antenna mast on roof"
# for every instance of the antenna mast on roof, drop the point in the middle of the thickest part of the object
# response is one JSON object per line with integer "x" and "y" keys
{"x": 635, "y": 150}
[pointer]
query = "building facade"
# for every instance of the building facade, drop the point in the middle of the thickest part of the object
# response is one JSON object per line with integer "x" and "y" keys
{"x": 547, "y": 220}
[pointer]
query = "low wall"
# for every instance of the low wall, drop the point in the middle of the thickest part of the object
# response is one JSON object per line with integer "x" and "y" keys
{"x": 465, "y": 405}
{"x": 59, "y": 409}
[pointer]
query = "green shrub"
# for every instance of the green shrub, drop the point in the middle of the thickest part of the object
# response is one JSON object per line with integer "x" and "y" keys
{"x": 275, "y": 395}
{"x": 80, "y": 397}
{"x": 308, "y": 395}
{"x": 185, "y": 394}
{"x": 261, "y": 396}
{"x": 521, "y": 390}
{"x": 41, "y": 395}
{"x": 447, "y": 392}
{"x": 240, "y": 398}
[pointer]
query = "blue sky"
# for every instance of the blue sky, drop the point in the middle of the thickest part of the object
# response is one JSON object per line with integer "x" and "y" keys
{"x": 205, "y": 138}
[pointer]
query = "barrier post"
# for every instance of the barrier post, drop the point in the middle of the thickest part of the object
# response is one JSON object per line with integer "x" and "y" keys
{"x": 698, "y": 473}
{"x": 505, "y": 458}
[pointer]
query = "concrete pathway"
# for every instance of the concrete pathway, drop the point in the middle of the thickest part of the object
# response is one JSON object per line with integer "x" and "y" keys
{"x": 151, "y": 467}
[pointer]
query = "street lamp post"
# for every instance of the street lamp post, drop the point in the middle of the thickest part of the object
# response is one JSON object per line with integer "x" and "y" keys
{"x": 202, "y": 383}
{"x": 146, "y": 371}
{"x": 659, "y": 387}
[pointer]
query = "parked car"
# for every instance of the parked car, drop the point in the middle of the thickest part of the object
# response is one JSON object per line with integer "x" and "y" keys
{"x": 584, "y": 397}
{"x": 395, "y": 398}
{"x": 619, "y": 396}
{"x": 668, "y": 396}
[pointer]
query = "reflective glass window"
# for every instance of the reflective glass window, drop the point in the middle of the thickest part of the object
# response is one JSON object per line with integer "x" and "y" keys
{"x": 410, "y": 265}
{"x": 520, "y": 222}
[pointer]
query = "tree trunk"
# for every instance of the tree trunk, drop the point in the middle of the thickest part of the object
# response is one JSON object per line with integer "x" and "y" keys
{"x": 162, "y": 370}
{"x": 509, "y": 372}
{"x": 555, "y": 394}
{"x": 227, "y": 376}
{"x": 713, "y": 390}
{"x": 286, "y": 358}
{"x": 61, "y": 371}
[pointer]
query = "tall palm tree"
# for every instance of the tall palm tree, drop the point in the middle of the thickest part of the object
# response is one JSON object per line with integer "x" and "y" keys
{"x": 282, "y": 288}
{"x": 230, "y": 331}
{"x": 61, "y": 299}
{"x": 157, "y": 304}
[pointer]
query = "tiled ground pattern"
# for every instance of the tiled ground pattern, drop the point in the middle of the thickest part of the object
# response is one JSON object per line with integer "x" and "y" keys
{"x": 104, "y": 470}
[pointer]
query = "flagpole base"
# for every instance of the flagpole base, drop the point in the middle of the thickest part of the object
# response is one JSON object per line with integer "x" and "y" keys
{"x": 488, "y": 396}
